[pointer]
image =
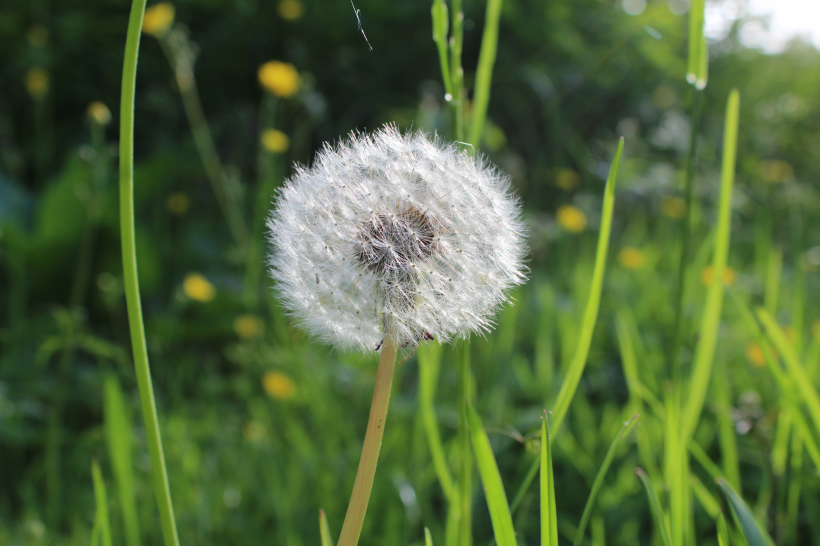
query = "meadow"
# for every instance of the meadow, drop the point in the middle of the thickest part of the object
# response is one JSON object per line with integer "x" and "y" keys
{"x": 654, "y": 381}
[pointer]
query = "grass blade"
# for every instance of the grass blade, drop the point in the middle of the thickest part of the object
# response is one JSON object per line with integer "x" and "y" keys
{"x": 463, "y": 513}
{"x": 324, "y": 530}
{"x": 549, "y": 517}
{"x": 491, "y": 480}
{"x": 118, "y": 435}
{"x": 484, "y": 73}
{"x": 705, "y": 351}
{"x": 429, "y": 356}
{"x": 722, "y": 530}
{"x": 655, "y": 506}
{"x": 576, "y": 367}
{"x": 440, "y": 28}
{"x": 628, "y": 427}
{"x": 428, "y": 539}
{"x": 102, "y": 521}
{"x": 696, "y": 17}
{"x": 754, "y": 533}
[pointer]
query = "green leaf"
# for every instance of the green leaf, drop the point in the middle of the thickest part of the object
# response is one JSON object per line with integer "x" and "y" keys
{"x": 655, "y": 506}
{"x": 428, "y": 539}
{"x": 722, "y": 530}
{"x": 754, "y": 533}
{"x": 440, "y": 29}
{"x": 696, "y": 42}
{"x": 491, "y": 480}
{"x": 549, "y": 517}
{"x": 101, "y": 520}
{"x": 484, "y": 73}
{"x": 324, "y": 530}
{"x": 429, "y": 357}
{"x": 628, "y": 427}
{"x": 576, "y": 367}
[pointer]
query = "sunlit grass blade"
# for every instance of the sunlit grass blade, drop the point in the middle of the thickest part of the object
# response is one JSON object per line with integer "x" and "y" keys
{"x": 754, "y": 533}
{"x": 484, "y": 73}
{"x": 655, "y": 506}
{"x": 696, "y": 16}
{"x": 491, "y": 480}
{"x": 428, "y": 539}
{"x": 549, "y": 512}
{"x": 628, "y": 427}
{"x": 118, "y": 434}
{"x": 798, "y": 375}
{"x": 710, "y": 323}
{"x": 722, "y": 530}
{"x": 102, "y": 521}
{"x": 703, "y": 65}
{"x": 576, "y": 367}
{"x": 440, "y": 28}
{"x": 324, "y": 530}
{"x": 726, "y": 429}
{"x": 429, "y": 356}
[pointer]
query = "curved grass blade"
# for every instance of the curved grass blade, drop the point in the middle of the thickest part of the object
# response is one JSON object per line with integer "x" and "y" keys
{"x": 428, "y": 539}
{"x": 484, "y": 73}
{"x": 324, "y": 530}
{"x": 754, "y": 533}
{"x": 655, "y": 506}
{"x": 101, "y": 520}
{"x": 491, "y": 480}
{"x": 549, "y": 517}
{"x": 576, "y": 367}
{"x": 722, "y": 530}
{"x": 628, "y": 427}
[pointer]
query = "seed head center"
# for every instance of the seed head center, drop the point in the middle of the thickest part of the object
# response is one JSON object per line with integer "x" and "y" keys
{"x": 391, "y": 243}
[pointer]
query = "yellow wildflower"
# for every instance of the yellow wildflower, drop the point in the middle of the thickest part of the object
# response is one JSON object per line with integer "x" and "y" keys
{"x": 631, "y": 258}
{"x": 253, "y": 431}
{"x": 708, "y": 275}
{"x": 290, "y": 10}
{"x": 275, "y": 141}
{"x": 198, "y": 288}
{"x": 567, "y": 179}
{"x": 158, "y": 19}
{"x": 278, "y": 385}
{"x": 37, "y": 83}
{"x": 281, "y": 79}
{"x": 99, "y": 113}
{"x": 178, "y": 203}
{"x": 776, "y": 171}
{"x": 572, "y": 218}
{"x": 248, "y": 326}
{"x": 754, "y": 354}
{"x": 673, "y": 207}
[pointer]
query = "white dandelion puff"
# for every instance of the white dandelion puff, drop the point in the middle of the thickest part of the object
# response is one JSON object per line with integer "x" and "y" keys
{"x": 391, "y": 234}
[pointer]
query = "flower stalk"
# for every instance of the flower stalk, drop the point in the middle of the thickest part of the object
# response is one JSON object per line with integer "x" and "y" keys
{"x": 354, "y": 519}
{"x": 130, "y": 281}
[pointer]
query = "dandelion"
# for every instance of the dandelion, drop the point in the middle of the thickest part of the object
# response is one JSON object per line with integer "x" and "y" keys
{"x": 389, "y": 240}
{"x": 99, "y": 113}
{"x": 571, "y": 218}
{"x": 755, "y": 355}
{"x": 673, "y": 207}
{"x": 567, "y": 179}
{"x": 290, "y": 10}
{"x": 631, "y": 258}
{"x": 708, "y": 275}
{"x": 275, "y": 141}
{"x": 37, "y": 83}
{"x": 158, "y": 19}
{"x": 278, "y": 385}
{"x": 248, "y": 326}
{"x": 198, "y": 288}
{"x": 278, "y": 78}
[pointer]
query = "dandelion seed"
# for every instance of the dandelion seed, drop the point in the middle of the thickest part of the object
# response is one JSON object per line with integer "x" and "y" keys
{"x": 412, "y": 215}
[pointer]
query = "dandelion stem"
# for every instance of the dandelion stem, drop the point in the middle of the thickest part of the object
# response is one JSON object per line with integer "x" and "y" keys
{"x": 352, "y": 527}
{"x": 130, "y": 281}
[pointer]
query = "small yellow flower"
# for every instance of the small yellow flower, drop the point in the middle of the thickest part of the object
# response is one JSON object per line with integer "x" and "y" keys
{"x": 708, "y": 275}
{"x": 275, "y": 141}
{"x": 631, "y": 258}
{"x": 178, "y": 203}
{"x": 279, "y": 385}
{"x": 754, "y": 354}
{"x": 567, "y": 179}
{"x": 99, "y": 113}
{"x": 248, "y": 326}
{"x": 158, "y": 19}
{"x": 37, "y": 83}
{"x": 572, "y": 218}
{"x": 776, "y": 171}
{"x": 281, "y": 79}
{"x": 253, "y": 431}
{"x": 290, "y": 10}
{"x": 673, "y": 207}
{"x": 198, "y": 288}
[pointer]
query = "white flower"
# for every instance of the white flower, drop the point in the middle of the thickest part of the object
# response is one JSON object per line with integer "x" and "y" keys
{"x": 391, "y": 234}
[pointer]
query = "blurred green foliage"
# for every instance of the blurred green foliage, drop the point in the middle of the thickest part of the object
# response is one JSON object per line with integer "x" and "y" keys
{"x": 261, "y": 426}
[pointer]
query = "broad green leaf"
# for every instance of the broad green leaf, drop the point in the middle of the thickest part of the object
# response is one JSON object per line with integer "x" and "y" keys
{"x": 628, "y": 427}
{"x": 655, "y": 506}
{"x": 491, "y": 480}
{"x": 755, "y": 535}
{"x": 549, "y": 517}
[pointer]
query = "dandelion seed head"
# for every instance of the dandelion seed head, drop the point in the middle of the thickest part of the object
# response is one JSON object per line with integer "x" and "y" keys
{"x": 395, "y": 234}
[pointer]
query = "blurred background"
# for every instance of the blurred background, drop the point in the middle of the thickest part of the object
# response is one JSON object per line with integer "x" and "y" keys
{"x": 262, "y": 427}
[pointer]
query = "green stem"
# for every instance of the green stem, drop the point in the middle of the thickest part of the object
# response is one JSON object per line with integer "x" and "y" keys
{"x": 457, "y": 78}
{"x": 465, "y": 476}
{"x": 131, "y": 284}
{"x": 352, "y": 527}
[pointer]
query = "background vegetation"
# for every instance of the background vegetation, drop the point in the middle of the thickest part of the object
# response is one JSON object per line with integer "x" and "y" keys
{"x": 261, "y": 426}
